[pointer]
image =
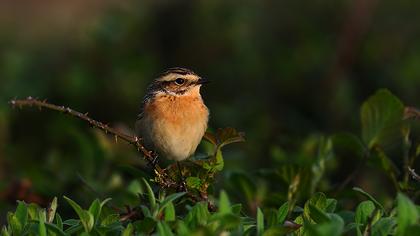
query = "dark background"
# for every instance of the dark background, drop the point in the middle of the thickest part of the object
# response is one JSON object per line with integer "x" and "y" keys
{"x": 281, "y": 71}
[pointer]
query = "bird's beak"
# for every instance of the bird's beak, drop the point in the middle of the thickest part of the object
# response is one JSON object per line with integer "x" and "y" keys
{"x": 203, "y": 81}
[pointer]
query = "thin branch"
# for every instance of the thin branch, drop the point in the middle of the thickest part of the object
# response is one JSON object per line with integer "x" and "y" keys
{"x": 133, "y": 140}
{"x": 413, "y": 174}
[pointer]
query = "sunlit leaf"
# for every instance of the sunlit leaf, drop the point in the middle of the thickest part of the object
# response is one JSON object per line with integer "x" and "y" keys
{"x": 129, "y": 230}
{"x": 260, "y": 222}
{"x": 150, "y": 194}
{"x": 51, "y": 210}
{"x": 22, "y": 214}
{"x": 224, "y": 203}
{"x": 163, "y": 229}
{"x": 193, "y": 182}
{"x": 42, "y": 230}
{"x": 85, "y": 216}
{"x": 282, "y": 213}
{"x": 407, "y": 214}
{"x": 170, "y": 212}
{"x": 364, "y": 212}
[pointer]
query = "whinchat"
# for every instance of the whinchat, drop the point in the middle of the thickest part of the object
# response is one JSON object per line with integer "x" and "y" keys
{"x": 173, "y": 117}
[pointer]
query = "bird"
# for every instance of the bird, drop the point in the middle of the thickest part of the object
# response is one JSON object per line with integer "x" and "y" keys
{"x": 173, "y": 117}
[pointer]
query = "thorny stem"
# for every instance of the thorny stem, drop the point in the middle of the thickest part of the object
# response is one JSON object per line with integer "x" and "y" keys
{"x": 149, "y": 156}
{"x": 413, "y": 174}
{"x": 411, "y": 113}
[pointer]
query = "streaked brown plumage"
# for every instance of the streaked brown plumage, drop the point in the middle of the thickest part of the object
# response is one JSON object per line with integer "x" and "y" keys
{"x": 174, "y": 118}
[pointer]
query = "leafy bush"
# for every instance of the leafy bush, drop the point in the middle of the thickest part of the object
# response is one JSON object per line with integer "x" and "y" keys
{"x": 294, "y": 205}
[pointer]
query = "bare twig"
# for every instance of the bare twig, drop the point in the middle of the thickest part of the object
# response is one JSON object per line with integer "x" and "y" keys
{"x": 149, "y": 156}
{"x": 413, "y": 174}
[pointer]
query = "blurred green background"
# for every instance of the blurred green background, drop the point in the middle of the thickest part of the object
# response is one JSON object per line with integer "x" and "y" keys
{"x": 283, "y": 72}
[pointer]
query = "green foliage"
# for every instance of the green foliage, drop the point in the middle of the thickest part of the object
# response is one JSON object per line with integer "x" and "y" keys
{"x": 295, "y": 206}
{"x": 381, "y": 118}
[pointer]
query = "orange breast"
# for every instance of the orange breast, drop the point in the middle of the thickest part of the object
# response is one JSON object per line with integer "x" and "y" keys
{"x": 178, "y": 110}
{"x": 176, "y": 125}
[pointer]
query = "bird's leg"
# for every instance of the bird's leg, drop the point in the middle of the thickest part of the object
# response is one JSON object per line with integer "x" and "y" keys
{"x": 183, "y": 185}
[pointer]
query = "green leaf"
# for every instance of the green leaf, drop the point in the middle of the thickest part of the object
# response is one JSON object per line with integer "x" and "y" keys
{"x": 319, "y": 201}
{"x": 85, "y": 217}
{"x": 381, "y": 117}
{"x": 260, "y": 222}
{"x": 42, "y": 230}
{"x": 169, "y": 199}
{"x": 334, "y": 227}
{"x": 96, "y": 208}
{"x": 58, "y": 221}
{"x": 282, "y": 213}
{"x": 226, "y": 221}
{"x": 407, "y": 214}
{"x": 51, "y": 210}
{"x": 182, "y": 229}
{"x": 386, "y": 163}
{"x": 128, "y": 231}
{"x": 236, "y": 209}
{"x": 364, "y": 212}
{"x": 224, "y": 203}
{"x": 383, "y": 227}
{"x": 50, "y": 227}
{"x": 331, "y": 205}
{"x": 110, "y": 219}
{"x": 318, "y": 215}
{"x": 219, "y": 162}
{"x": 271, "y": 218}
{"x": 377, "y": 204}
{"x": 151, "y": 195}
{"x": 193, "y": 182}
{"x": 33, "y": 211}
{"x": 22, "y": 213}
{"x": 15, "y": 225}
{"x": 145, "y": 226}
{"x": 170, "y": 212}
{"x": 71, "y": 222}
{"x": 348, "y": 145}
{"x": 198, "y": 215}
{"x": 74, "y": 229}
{"x": 5, "y": 232}
{"x": 146, "y": 212}
{"x": 163, "y": 229}
{"x": 276, "y": 231}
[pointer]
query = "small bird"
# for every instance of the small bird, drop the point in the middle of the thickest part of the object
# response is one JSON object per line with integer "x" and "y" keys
{"x": 173, "y": 117}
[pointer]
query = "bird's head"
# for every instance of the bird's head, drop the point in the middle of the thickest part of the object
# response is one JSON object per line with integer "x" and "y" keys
{"x": 178, "y": 82}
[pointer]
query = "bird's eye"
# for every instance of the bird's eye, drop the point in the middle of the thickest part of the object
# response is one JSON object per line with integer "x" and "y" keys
{"x": 179, "y": 81}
